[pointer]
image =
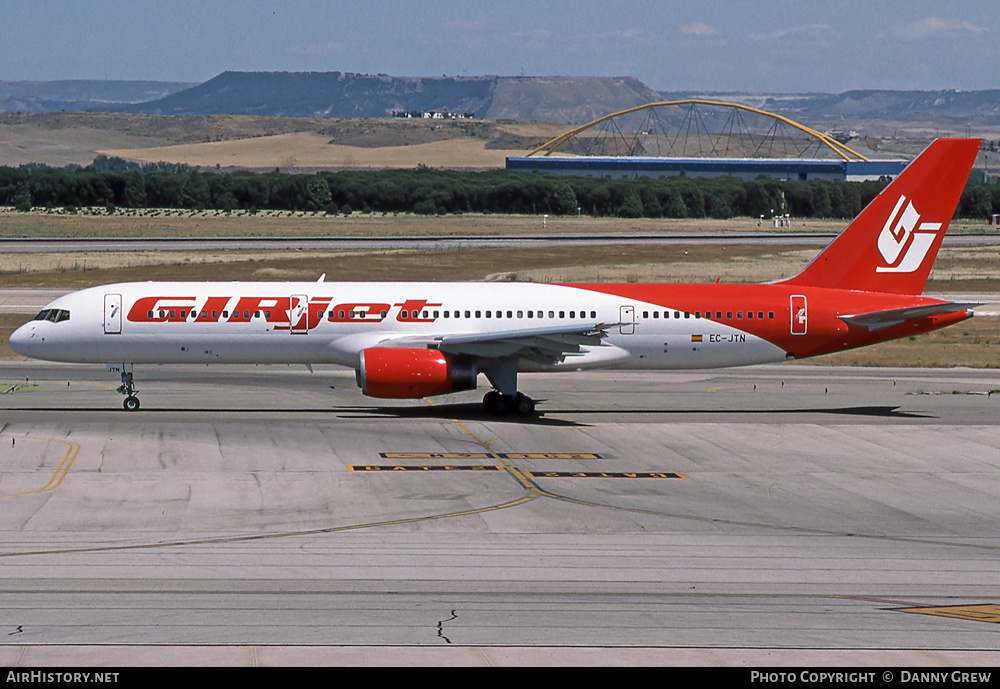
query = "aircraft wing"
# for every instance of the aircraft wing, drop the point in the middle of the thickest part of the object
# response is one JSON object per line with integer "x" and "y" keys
{"x": 876, "y": 320}
{"x": 543, "y": 345}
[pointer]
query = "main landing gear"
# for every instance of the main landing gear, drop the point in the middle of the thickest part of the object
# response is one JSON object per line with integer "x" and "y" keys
{"x": 498, "y": 404}
{"x": 504, "y": 398}
{"x": 127, "y": 388}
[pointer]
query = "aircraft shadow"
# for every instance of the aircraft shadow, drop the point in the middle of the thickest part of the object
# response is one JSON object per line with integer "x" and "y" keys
{"x": 463, "y": 412}
{"x": 864, "y": 411}
{"x": 476, "y": 412}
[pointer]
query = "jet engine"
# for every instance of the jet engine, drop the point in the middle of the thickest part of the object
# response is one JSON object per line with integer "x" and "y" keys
{"x": 406, "y": 373}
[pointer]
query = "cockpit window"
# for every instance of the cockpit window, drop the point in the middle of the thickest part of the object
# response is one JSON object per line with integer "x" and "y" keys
{"x": 53, "y": 315}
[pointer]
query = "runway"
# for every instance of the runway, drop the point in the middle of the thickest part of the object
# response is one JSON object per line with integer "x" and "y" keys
{"x": 18, "y": 245}
{"x": 267, "y": 515}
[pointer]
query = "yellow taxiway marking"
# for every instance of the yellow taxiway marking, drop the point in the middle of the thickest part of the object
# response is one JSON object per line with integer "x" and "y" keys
{"x": 987, "y": 612}
{"x": 489, "y": 455}
{"x": 72, "y": 450}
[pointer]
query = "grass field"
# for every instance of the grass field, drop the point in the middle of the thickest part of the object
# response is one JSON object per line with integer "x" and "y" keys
{"x": 258, "y": 143}
{"x": 94, "y": 222}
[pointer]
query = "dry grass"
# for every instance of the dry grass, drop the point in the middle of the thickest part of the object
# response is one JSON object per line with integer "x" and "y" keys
{"x": 161, "y": 222}
{"x": 310, "y": 151}
{"x": 72, "y": 270}
{"x": 974, "y": 343}
{"x": 240, "y": 141}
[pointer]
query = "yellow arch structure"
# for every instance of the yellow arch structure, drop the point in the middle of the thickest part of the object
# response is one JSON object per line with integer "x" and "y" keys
{"x": 840, "y": 149}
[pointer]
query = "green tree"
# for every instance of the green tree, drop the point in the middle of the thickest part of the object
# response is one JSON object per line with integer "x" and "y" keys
{"x": 564, "y": 200}
{"x": 631, "y": 206}
{"x": 195, "y": 194}
{"x": 135, "y": 191}
{"x": 318, "y": 194}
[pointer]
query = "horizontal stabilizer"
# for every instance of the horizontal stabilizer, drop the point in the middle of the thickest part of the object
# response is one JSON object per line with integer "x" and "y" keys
{"x": 876, "y": 320}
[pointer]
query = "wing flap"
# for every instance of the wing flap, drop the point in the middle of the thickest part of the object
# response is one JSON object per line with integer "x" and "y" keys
{"x": 544, "y": 345}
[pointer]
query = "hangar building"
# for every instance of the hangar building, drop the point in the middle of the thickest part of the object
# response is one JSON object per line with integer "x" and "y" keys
{"x": 744, "y": 168}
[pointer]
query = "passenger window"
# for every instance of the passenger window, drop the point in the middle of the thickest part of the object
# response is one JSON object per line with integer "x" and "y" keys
{"x": 739, "y": 315}
{"x": 729, "y": 314}
{"x": 770, "y": 315}
{"x": 520, "y": 314}
{"x": 760, "y": 314}
{"x": 750, "y": 314}
{"x": 468, "y": 314}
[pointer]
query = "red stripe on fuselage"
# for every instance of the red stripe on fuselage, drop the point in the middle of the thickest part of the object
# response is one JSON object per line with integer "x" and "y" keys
{"x": 825, "y": 333}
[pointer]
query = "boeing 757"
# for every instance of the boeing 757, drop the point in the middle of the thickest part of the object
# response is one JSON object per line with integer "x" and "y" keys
{"x": 411, "y": 340}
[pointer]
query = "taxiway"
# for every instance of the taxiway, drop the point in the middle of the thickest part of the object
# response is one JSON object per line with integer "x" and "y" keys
{"x": 780, "y": 515}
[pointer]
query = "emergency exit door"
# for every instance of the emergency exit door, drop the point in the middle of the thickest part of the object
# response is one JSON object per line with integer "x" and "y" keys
{"x": 800, "y": 317}
{"x": 112, "y": 314}
{"x": 627, "y": 318}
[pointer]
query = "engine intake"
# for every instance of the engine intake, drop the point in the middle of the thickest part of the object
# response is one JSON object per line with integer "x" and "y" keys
{"x": 405, "y": 373}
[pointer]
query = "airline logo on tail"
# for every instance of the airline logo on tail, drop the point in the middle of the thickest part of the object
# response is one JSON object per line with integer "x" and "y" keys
{"x": 905, "y": 241}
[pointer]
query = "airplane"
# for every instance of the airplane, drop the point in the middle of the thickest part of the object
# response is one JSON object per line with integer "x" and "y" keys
{"x": 411, "y": 340}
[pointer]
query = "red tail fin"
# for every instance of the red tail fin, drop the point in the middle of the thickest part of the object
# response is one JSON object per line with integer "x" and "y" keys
{"x": 891, "y": 245}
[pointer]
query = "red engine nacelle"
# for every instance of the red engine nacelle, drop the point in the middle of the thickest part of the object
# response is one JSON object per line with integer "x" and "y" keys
{"x": 412, "y": 373}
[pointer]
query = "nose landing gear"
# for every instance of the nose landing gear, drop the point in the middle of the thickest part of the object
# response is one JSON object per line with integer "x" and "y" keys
{"x": 127, "y": 388}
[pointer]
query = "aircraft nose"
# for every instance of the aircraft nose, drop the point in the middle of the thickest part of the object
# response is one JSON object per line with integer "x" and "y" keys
{"x": 23, "y": 339}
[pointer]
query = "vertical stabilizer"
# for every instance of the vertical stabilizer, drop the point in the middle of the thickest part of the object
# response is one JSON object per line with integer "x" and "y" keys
{"x": 892, "y": 244}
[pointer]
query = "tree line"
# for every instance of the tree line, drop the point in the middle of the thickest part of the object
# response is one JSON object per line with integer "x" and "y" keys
{"x": 114, "y": 183}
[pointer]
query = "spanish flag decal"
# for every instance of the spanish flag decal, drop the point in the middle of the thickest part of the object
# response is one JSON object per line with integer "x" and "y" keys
{"x": 696, "y": 338}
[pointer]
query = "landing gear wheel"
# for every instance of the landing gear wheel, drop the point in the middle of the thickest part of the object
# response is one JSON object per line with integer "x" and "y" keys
{"x": 523, "y": 405}
{"x": 127, "y": 388}
{"x": 497, "y": 404}
{"x": 500, "y": 405}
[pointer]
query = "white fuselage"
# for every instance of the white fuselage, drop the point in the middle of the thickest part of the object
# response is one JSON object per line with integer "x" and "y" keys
{"x": 329, "y": 322}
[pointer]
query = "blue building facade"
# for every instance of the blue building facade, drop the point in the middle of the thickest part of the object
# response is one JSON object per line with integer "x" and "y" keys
{"x": 744, "y": 168}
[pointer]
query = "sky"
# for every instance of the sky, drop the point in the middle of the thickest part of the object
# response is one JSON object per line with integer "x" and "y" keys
{"x": 710, "y": 45}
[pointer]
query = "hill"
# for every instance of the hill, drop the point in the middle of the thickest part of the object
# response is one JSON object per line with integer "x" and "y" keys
{"x": 80, "y": 94}
{"x": 340, "y": 94}
{"x": 882, "y": 113}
